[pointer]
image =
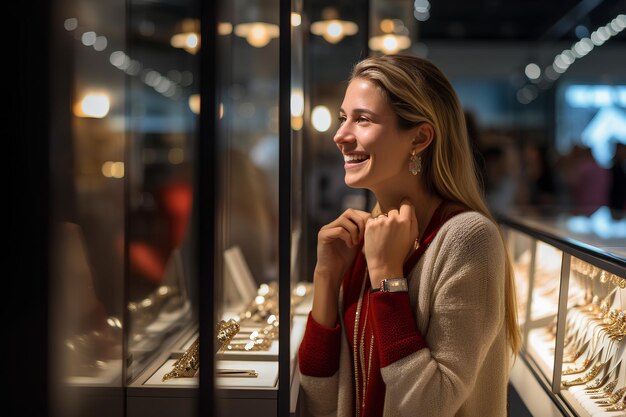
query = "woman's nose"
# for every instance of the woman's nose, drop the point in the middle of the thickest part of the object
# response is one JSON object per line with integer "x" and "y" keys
{"x": 343, "y": 135}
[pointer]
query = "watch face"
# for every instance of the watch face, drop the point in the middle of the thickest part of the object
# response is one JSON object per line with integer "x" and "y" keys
{"x": 394, "y": 285}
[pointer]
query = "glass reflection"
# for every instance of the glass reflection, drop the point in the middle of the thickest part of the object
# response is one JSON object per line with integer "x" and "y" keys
{"x": 162, "y": 124}
{"x": 87, "y": 188}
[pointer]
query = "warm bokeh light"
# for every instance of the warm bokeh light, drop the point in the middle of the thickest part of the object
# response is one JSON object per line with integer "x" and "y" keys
{"x": 189, "y": 41}
{"x": 296, "y": 19}
{"x": 117, "y": 170}
{"x": 194, "y": 103}
{"x": 297, "y": 102}
{"x": 321, "y": 118}
{"x": 297, "y": 122}
{"x": 225, "y": 28}
{"x": 386, "y": 25}
{"x": 93, "y": 105}
{"x": 334, "y": 30}
{"x": 258, "y": 34}
{"x": 389, "y": 43}
{"x": 112, "y": 169}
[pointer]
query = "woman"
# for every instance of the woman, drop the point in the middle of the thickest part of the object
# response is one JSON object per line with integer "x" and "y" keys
{"x": 414, "y": 305}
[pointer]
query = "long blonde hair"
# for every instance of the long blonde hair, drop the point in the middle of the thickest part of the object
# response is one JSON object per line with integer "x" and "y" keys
{"x": 419, "y": 92}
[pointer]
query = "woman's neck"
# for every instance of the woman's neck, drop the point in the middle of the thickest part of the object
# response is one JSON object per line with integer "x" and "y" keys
{"x": 424, "y": 203}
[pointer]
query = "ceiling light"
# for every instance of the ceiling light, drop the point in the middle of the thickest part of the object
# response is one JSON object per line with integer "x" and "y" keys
{"x": 258, "y": 34}
{"x": 331, "y": 28}
{"x": 389, "y": 43}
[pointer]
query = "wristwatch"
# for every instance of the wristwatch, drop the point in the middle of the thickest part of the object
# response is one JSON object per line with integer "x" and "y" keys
{"x": 394, "y": 285}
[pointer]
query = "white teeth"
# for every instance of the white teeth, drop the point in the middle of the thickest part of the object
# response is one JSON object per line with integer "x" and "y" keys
{"x": 355, "y": 158}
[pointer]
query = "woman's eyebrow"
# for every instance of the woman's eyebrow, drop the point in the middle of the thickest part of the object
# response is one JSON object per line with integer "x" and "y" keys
{"x": 358, "y": 110}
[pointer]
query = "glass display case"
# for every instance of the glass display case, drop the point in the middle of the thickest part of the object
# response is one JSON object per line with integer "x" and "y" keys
{"x": 136, "y": 184}
{"x": 571, "y": 287}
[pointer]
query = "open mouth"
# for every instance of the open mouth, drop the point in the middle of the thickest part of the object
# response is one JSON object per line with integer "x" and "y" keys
{"x": 355, "y": 159}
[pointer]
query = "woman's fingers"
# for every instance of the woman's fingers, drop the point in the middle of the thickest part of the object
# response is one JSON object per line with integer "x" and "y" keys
{"x": 354, "y": 221}
{"x": 333, "y": 233}
{"x": 407, "y": 212}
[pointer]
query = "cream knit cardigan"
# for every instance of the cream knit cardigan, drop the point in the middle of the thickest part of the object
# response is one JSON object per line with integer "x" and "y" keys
{"x": 457, "y": 292}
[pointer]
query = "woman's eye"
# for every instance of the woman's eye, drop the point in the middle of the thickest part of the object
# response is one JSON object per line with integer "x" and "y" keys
{"x": 362, "y": 119}
{"x": 342, "y": 119}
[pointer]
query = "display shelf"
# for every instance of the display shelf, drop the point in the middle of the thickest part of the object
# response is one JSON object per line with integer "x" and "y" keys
{"x": 574, "y": 354}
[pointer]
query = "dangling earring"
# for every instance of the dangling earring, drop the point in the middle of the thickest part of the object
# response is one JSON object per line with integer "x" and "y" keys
{"x": 415, "y": 163}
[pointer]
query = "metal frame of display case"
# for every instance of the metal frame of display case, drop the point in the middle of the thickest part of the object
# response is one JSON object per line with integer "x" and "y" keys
{"x": 529, "y": 380}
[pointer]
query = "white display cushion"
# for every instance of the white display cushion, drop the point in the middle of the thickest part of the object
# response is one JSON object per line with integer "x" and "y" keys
{"x": 267, "y": 375}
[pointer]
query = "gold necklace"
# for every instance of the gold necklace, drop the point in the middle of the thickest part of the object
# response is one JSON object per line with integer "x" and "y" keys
{"x": 359, "y": 349}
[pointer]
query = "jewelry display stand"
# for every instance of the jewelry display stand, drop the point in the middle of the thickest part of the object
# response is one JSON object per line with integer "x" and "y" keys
{"x": 572, "y": 313}
{"x": 246, "y": 379}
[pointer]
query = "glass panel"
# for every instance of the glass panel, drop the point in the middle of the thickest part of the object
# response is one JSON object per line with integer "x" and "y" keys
{"x": 301, "y": 288}
{"x": 248, "y": 53}
{"x": 163, "y": 102}
{"x": 544, "y": 307}
{"x": 521, "y": 248}
{"x": 87, "y": 188}
{"x": 593, "y": 375}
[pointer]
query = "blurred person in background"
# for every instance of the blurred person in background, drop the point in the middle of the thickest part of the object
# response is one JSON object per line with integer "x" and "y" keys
{"x": 540, "y": 179}
{"x": 501, "y": 187}
{"x": 617, "y": 197}
{"x": 587, "y": 182}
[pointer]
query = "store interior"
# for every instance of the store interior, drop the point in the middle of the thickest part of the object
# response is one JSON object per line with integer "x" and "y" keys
{"x": 120, "y": 191}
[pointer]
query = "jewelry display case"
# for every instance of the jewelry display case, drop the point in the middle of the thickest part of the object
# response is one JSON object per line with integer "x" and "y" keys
{"x": 571, "y": 287}
{"x": 250, "y": 342}
{"x": 172, "y": 228}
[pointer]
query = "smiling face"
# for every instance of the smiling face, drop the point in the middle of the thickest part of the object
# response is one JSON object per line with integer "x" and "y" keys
{"x": 376, "y": 151}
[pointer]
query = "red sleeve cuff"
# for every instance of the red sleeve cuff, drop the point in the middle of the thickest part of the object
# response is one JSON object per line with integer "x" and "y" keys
{"x": 394, "y": 327}
{"x": 319, "y": 351}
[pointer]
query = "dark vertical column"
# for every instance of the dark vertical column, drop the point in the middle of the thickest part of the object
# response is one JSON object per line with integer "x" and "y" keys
{"x": 206, "y": 201}
{"x": 284, "y": 209}
{"x": 25, "y": 303}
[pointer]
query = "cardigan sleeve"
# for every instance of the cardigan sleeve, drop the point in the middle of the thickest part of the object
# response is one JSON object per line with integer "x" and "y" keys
{"x": 467, "y": 314}
{"x": 318, "y": 354}
{"x": 318, "y": 364}
{"x": 394, "y": 327}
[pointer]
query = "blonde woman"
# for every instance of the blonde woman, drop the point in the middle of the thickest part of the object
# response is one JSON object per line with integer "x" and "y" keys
{"x": 414, "y": 307}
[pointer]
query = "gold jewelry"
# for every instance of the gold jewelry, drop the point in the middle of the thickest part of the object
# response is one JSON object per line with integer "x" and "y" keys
{"x": 613, "y": 398}
{"x": 188, "y": 364}
{"x": 366, "y": 371}
{"x": 415, "y": 163}
{"x": 354, "y": 347}
{"x": 226, "y": 331}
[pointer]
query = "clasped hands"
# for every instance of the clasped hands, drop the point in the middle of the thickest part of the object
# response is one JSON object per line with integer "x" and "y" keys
{"x": 388, "y": 240}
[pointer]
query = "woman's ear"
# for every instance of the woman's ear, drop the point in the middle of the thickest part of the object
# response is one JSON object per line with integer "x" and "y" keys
{"x": 424, "y": 135}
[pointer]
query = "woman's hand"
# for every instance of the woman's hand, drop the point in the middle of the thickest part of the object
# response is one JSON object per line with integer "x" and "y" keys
{"x": 389, "y": 238}
{"x": 337, "y": 244}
